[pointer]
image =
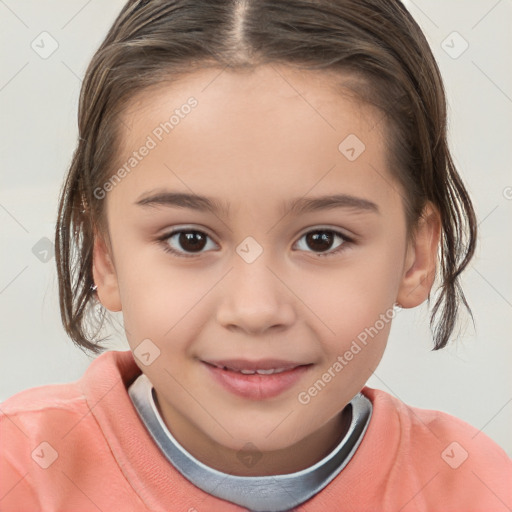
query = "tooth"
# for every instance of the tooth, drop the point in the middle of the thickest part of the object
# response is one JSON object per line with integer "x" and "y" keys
{"x": 248, "y": 372}
{"x": 265, "y": 372}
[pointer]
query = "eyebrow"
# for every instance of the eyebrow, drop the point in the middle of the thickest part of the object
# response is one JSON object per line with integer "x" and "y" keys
{"x": 296, "y": 206}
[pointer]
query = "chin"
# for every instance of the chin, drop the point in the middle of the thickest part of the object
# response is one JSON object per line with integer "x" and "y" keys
{"x": 259, "y": 438}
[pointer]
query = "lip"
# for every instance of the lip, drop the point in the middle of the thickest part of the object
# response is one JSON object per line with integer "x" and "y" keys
{"x": 260, "y": 364}
{"x": 256, "y": 387}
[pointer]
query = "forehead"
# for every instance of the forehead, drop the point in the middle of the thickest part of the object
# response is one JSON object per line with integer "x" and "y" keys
{"x": 267, "y": 89}
{"x": 280, "y": 130}
{"x": 253, "y": 100}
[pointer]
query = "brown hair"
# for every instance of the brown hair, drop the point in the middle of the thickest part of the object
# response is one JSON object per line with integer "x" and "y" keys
{"x": 376, "y": 41}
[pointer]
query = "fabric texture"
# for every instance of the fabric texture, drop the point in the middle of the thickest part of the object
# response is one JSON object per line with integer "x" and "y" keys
{"x": 257, "y": 493}
{"x": 82, "y": 447}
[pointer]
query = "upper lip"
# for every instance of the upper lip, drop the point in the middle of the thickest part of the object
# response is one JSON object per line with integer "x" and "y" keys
{"x": 261, "y": 364}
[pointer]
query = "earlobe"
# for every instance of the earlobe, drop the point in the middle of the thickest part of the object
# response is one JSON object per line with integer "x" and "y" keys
{"x": 105, "y": 277}
{"x": 421, "y": 260}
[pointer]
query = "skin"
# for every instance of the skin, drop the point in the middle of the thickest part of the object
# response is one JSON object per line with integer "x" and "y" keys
{"x": 253, "y": 142}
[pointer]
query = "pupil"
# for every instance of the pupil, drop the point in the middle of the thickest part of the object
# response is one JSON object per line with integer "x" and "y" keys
{"x": 319, "y": 240}
{"x": 192, "y": 241}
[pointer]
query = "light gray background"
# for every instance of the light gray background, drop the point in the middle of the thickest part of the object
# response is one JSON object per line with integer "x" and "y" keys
{"x": 38, "y": 99}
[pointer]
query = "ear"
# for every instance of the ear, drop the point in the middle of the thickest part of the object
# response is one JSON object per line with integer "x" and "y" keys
{"x": 421, "y": 259}
{"x": 105, "y": 277}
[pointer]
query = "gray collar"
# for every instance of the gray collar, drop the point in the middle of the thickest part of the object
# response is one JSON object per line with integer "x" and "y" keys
{"x": 257, "y": 493}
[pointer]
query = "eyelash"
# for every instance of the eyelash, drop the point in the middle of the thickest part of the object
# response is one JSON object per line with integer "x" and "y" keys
{"x": 163, "y": 241}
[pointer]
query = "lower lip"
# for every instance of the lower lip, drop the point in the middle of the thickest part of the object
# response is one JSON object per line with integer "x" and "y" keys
{"x": 257, "y": 387}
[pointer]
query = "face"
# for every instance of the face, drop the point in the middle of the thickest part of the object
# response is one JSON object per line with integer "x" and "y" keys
{"x": 268, "y": 276}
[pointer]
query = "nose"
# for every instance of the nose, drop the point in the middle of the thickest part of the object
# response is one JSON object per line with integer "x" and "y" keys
{"x": 254, "y": 298}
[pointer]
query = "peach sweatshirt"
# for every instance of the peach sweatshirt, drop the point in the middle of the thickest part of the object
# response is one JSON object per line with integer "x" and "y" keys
{"x": 82, "y": 447}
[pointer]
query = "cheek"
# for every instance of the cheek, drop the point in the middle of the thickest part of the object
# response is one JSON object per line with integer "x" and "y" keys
{"x": 158, "y": 301}
{"x": 352, "y": 297}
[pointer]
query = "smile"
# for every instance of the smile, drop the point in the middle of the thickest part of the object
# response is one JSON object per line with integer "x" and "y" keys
{"x": 256, "y": 380}
{"x": 259, "y": 371}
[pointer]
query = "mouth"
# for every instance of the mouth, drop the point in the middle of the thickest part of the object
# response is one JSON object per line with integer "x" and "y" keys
{"x": 257, "y": 380}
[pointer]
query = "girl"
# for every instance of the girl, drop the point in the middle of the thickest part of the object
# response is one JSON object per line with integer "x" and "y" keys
{"x": 259, "y": 187}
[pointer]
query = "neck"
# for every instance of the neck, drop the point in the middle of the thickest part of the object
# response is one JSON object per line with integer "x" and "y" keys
{"x": 297, "y": 457}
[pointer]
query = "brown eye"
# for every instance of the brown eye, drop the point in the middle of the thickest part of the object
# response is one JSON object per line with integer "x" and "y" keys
{"x": 321, "y": 241}
{"x": 185, "y": 243}
{"x": 193, "y": 241}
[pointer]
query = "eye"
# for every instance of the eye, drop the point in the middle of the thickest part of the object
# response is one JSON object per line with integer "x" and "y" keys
{"x": 191, "y": 240}
{"x": 322, "y": 240}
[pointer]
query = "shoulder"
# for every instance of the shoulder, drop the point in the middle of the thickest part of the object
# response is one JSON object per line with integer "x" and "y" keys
{"x": 69, "y": 399}
{"x": 40, "y": 404}
{"x": 456, "y": 462}
{"x": 70, "y": 396}
{"x": 51, "y": 432}
{"x": 417, "y": 423}
{"x": 31, "y": 423}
